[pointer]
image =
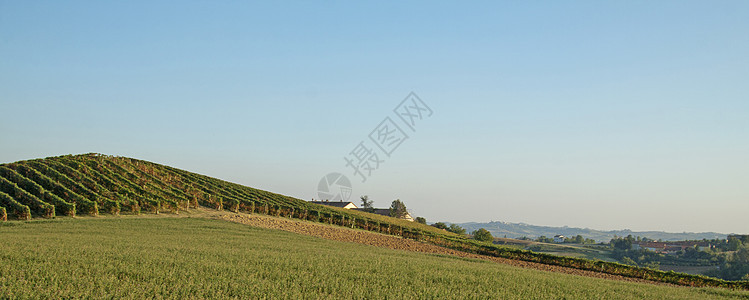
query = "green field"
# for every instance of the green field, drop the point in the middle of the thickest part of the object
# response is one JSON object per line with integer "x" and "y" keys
{"x": 152, "y": 257}
{"x": 96, "y": 184}
{"x": 594, "y": 253}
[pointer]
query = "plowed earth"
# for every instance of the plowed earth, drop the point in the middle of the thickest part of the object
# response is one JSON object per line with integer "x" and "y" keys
{"x": 343, "y": 234}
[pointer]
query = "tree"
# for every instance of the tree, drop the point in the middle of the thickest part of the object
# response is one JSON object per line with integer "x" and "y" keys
{"x": 741, "y": 256}
{"x": 398, "y": 209}
{"x": 482, "y": 235}
{"x": 440, "y": 225}
{"x": 454, "y": 228}
{"x": 421, "y": 220}
{"x": 579, "y": 239}
{"x": 621, "y": 243}
{"x": 628, "y": 261}
{"x": 734, "y": 244}
{"x": 736, "y": 267}
{"x": 655, "y": 265}
{"x": 366, "y": 204}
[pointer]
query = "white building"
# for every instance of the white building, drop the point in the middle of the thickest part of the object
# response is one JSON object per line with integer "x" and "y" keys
{"x": 559, "y": 238}
{"x": 341, "y": 204}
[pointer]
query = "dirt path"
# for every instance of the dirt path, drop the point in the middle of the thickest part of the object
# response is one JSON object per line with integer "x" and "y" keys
{"x": 337, "y": 233}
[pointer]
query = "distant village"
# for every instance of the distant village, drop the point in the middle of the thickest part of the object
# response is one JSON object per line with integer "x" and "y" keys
{"x": 665, "y": 247}
{"x": 661, "y": 247}
{"x": 673, "y": 247}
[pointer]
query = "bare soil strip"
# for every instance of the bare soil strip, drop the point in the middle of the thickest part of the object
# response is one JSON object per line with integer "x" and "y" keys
{"x": 343, "y": 234}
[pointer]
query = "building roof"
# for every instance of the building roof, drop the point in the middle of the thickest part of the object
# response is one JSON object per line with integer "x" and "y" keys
{"x": 340, "y": 204}
{"x": 654, "y": 245}
{"x": 379, "y": 211}
{"x": 382, "y": 211}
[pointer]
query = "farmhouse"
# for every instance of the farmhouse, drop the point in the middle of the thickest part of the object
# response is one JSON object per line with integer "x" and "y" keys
{"x": 559, "y": 238}
{"x": 341, "y": 204}
{"x": 650, "y": 246}
{"x": 351, "y": 205}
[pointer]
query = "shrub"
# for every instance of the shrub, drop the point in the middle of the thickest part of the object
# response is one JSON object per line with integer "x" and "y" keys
{"x": 55, "y": 184}
{"x": 482, "y": 235}
{"x": 232, "y": 205}
{"x": 110, "y": 206}
{"x": 39, "y": 207}
{"x": 21, "y": 212}
{"x": 36, "y": 190}
{"x": 454, "y": 228}
{"x": 440, "y": 225}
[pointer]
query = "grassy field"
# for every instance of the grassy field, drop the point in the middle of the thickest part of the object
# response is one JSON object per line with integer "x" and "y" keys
{"x": 156, "y": 257}
{"x": 95, "y": 184}
{"x": 572, "y": 250}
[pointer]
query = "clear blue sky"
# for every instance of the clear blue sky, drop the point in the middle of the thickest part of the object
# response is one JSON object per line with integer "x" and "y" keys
{"x": 608, "y": 115}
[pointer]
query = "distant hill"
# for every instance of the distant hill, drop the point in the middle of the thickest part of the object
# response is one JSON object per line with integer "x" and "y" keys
{"x": 516, "y": 230}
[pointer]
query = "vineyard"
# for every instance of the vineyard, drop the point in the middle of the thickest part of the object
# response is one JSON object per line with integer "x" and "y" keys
{"x": 94, "y": 184}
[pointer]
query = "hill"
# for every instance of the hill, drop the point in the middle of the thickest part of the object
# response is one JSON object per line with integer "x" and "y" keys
{"x": 176, "y": 258}
{"x": 517, "y": 230}
{"x": 94, "y": 184}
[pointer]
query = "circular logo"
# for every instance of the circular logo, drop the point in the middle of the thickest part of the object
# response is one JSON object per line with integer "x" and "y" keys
{"x": 334, "y": 187}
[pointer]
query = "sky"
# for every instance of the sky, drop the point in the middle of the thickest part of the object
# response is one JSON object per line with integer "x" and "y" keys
{"x": 606, "y": 115}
